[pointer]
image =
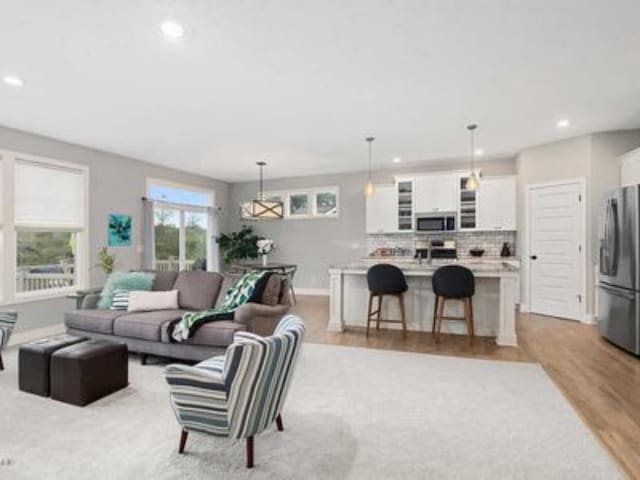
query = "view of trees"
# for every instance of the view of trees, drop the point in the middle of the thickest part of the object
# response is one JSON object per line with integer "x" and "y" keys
{"x": 167, "y": 234}
{"x": 45, "y": 248}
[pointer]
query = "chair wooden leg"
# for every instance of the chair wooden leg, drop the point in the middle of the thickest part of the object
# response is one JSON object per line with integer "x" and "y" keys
{"x": 279, "y": 423}
{"x": 379, "y": 312}
{"x": 250, "y": 452}
{"x": 183, "y": 440}
{"x": 465, "y": 305}
{"x": 435, "y": 315}
{"x": 1, "y": 362}
{"x": 369, "y": 312}
{"x": 402, "y": 315}
{"x": 440, "y": 315}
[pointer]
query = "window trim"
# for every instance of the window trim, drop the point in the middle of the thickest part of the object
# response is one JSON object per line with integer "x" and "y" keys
{"x": 184, "y": 186}
{"x": 312, "y": 199}
{"x": 333, "y": 190}
{"x": 183, "y": 209}
{"x": 309, "y": 196}
{"x": 9, "y": 263}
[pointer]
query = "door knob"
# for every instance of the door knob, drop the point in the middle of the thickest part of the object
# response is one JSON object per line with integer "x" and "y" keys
{"x": 533, "y": 257}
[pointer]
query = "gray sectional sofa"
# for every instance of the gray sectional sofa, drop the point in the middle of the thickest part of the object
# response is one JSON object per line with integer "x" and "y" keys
{"x": 146, "y": 332}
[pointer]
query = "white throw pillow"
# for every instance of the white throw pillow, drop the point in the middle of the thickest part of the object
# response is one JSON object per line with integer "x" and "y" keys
{"x": 140, "y": 301}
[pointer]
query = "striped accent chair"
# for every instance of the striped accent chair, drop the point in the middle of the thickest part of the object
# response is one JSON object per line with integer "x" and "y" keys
{"x": 241, "y": 393}
{"x": 8, "y": 320}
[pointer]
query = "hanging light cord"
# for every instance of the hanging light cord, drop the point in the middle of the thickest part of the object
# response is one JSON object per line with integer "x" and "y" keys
{"x": 472, "y": 129}
{"x": 370, "y": 142}
{"x": 261, "y": 165}
{"x": 473, "y": 150}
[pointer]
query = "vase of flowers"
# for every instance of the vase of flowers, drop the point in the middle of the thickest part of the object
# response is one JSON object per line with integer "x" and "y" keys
{"x": 265, "y": 246}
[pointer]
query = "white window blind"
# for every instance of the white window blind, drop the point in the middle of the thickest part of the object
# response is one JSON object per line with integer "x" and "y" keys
{"x": 48, "y": 196}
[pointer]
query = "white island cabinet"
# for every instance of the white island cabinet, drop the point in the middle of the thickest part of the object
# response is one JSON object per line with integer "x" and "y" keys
{"x": 495, "y": 300}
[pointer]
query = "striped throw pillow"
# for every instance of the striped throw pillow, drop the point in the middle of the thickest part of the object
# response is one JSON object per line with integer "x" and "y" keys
{"x": 120, "y": 300}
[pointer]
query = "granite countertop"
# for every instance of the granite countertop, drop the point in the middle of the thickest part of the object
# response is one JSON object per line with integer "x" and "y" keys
{"x": 462, "y": 260}
{"x": 486, "y": 266}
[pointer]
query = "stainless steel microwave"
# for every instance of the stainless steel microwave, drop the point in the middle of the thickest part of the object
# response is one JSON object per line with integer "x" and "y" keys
{"x": 436, "y": 222}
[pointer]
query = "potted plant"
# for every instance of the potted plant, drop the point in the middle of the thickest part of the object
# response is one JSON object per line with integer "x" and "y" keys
{"x": 239, "y": 245}
{"x": 106, "y": 261}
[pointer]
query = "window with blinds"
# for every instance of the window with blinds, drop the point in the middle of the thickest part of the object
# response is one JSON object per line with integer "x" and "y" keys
{"x": 44, "y": 238}
{"x": 48, "y": 196}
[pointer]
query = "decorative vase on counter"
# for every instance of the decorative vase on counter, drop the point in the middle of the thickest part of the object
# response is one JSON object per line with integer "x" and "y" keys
{"x": 264, "y": 260}
{"x": 506, "y": 250}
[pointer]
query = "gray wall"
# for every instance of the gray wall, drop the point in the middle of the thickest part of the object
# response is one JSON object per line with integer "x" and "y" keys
{"x": 592, "y": 157}
{"x": 116, "y": 185}
{"x": 315, "y": 244}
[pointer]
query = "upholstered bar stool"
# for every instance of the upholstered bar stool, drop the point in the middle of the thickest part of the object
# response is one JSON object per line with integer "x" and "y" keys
{"x": 453, "y": 282}
{"x": 384, "y": 279}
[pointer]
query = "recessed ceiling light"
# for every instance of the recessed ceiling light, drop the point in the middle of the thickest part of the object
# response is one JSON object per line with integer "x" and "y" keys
{"x": 13, "y": 81}
{"x": 479, "y": 152}
{"x": 172, "y": 30}
{"x": 563, "y": 123}
{"x": 397, "y": 160}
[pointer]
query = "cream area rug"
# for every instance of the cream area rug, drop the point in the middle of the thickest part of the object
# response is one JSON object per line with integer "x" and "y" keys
{"x": 352, "y": 413}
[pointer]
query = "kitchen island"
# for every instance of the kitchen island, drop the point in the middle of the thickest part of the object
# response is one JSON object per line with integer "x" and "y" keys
{"x": 494, "y": 302}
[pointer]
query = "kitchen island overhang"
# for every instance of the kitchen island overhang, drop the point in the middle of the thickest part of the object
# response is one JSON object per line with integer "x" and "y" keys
{"x": 495, "y": 300}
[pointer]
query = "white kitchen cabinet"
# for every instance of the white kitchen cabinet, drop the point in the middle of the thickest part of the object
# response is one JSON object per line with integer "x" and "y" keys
{"x": 436, "y": 193}
{"x": 630, "y": 168}
{"x": 382, "y": 210}
{"x": 497, "y": 203}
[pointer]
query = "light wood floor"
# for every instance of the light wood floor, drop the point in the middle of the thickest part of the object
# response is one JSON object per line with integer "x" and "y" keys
{"x": 599, "y": 380}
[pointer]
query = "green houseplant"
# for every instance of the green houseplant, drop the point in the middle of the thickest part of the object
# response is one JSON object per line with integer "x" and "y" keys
{"x": 239, "y": 245}
{"x": 106, "y": 261}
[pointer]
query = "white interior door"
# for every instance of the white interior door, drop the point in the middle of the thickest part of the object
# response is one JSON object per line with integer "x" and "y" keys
{"x": 556, "y": 248}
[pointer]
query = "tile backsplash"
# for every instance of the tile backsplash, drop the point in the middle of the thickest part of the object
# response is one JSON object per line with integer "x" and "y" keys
{"x": 491, "y": 242}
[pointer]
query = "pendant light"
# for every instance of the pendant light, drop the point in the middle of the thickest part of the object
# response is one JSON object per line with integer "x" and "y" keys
{"x": 368, "y": 188}
{"x": 260, "y": 208}
{"x": 474, "y": 179}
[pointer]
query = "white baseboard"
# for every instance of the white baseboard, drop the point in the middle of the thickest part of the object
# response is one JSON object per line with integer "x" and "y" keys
{"x": 36, "y": 333}
{"x": 312, "y": 291}
{"x": 590, "y": 319}
{"x": 524, "y": 308}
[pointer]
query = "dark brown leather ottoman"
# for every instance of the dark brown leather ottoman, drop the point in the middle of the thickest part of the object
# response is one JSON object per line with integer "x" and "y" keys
{"x": 87, "y": 371}
{"x": 34, "y": 359}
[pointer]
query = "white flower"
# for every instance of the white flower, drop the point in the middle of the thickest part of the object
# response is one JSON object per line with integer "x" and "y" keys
{"x": 265, "y": 246}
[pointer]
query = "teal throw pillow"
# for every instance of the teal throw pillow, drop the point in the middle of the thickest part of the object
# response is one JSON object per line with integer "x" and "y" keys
{"x": 124, "y": 281}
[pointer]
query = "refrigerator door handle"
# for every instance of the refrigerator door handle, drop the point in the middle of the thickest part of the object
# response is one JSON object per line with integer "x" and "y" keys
{"x": 604, "y": 242}
{"x": 613, "y": 269}
{"x": 618, "y": 292}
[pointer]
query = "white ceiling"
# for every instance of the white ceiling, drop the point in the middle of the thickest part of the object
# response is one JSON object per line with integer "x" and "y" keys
{"x": 301, "y": 83}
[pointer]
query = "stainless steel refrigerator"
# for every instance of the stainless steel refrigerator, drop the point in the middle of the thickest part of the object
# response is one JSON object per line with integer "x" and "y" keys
{"x": 619, "y": 284}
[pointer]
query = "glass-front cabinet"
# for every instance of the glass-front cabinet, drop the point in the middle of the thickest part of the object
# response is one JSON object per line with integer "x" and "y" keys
{"x": 405, "y": 205}
{"x": 468, "y": 205}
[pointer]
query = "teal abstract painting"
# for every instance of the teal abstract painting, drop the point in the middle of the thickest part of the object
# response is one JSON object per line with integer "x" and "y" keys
{"x": 119, "y": 230}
